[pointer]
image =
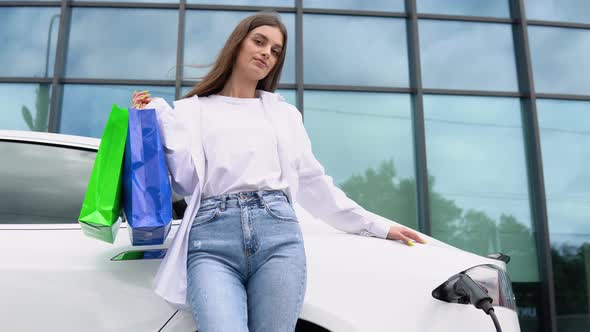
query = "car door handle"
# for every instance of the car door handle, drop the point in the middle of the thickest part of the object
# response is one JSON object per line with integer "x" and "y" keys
{"x": 140, "y": 254}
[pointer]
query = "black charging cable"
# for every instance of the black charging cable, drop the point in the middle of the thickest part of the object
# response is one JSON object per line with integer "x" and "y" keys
{"x": 468, "y": 291}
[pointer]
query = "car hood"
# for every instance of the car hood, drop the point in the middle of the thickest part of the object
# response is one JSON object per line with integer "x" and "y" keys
{"x": 359, "y": 283}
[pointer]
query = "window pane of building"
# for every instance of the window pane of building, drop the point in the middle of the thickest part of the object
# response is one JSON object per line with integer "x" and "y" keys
{"x": 25, "y": 106}
{"x": 39, "y": 195}
{"x": 377, "y": 5}
{"x": 372, "y": 160}
{"x": 560, "y": 59}
{"x": 351, "y": 50}
{"x": 479, "y": 197}
{"x": 577, "y": 11}
{"x": 28, "y": 50}
{"x": 122, "y": 43}
{"x": 207, "y": 31}
{"x": 466, "y": 55}
{"x": 274, "y": 3}
{"x": 158, "y": 1}
{"x": 289, "y": 95}
{"x": 185, "y": 90}
{"x": 86, "y": 108}
{"x": 492, "y": 8}
{"x": 565, "y": 146}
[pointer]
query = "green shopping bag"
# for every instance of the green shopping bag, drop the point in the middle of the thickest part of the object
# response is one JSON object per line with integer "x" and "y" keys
{"x": 99, "y": 217}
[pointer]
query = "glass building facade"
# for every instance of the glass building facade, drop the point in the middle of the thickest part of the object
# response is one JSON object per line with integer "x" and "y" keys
{"x": 468, "y": 119}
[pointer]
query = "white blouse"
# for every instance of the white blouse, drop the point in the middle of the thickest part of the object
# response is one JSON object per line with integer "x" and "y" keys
{"x": 308, "y": 184}
{"x": 240, "y": 147}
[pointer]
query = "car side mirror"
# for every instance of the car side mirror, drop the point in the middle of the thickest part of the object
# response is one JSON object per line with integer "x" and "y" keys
{"x": 500, "y": 256}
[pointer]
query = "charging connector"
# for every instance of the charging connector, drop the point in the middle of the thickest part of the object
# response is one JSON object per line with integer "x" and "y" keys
{"x": 470, "y": 292}
{"x": 460, "y": 288}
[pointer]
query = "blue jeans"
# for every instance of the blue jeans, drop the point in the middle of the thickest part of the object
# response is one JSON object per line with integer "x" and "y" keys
{"x": 246, "y": 263}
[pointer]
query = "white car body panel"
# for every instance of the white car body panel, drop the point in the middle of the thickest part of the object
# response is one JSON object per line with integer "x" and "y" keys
{"x": 66, "y": 281}
{"x": 54, "y": 278}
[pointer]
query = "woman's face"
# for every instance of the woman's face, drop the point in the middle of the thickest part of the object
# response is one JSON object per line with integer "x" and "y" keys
{"x": 260, "y": 52}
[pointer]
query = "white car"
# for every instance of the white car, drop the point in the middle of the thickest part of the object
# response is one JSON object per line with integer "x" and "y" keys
{"x": 54, "y": 278}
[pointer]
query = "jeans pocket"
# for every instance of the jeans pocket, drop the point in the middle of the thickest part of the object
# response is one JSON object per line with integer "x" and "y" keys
{"x": 205, "y": 216}
{"x": 280, "y": 210}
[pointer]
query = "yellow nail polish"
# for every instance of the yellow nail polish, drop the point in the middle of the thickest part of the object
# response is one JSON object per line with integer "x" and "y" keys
{"x": 410, "y": 243}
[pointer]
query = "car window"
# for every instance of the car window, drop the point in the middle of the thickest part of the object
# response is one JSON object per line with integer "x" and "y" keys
{"x": 42, "y": 184}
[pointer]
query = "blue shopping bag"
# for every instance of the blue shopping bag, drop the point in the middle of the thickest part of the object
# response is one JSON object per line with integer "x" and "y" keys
{"x": 147, "y": 197}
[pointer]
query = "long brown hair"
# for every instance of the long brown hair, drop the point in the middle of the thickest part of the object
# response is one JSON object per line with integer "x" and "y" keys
{"x": 215, "y": 80}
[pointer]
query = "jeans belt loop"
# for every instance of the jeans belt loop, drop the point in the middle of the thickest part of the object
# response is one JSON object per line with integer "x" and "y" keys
{"x": 260, "y": 197}
{"x": 223, "y": 199}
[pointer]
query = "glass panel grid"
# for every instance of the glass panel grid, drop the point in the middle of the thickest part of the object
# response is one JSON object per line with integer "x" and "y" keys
{"x": 273, "y": 3}
{"x": 565, "y": 144}
{"x": 28, "y": 50}
{"x": 486, "y": 8}
{"x": 25, "y": 106}
{"x": 560, "y": 60}
{"x": 119, "y": 43}
{"x": 372, "y": 160}
{"x": 478, "y": 183}
{"x": 575, "y": 11}
{"x": 349, "y": 50}
{"x": 467, "y": 56}
{"x": 373, "y": 5}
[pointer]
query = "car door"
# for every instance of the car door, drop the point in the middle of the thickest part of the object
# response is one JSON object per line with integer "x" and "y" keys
{"x": 53, "y": 277}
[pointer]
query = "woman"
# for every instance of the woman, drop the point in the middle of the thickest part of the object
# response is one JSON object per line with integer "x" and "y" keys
{"x": 243, "y": 156}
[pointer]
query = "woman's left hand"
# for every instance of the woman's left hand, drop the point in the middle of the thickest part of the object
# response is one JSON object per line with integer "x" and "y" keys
{"x": 404, "y": 234}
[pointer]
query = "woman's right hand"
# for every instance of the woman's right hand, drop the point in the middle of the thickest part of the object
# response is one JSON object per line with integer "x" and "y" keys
{"x": 140, "y": 99}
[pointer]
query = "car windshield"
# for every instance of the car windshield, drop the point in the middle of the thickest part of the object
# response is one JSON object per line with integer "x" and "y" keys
{"x": 42, "y": 184}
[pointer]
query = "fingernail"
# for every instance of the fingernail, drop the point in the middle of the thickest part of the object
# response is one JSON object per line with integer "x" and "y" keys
{"x": 410, "y": 243}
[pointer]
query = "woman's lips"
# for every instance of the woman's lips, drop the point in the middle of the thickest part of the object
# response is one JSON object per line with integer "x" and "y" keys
{"x": 260, "y": 63}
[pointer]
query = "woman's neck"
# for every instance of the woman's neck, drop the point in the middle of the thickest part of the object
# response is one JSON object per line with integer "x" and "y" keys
{"x": 239, "y": 88}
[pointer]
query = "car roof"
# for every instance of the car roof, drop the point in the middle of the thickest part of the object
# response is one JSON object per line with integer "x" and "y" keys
{"x": 50, "y": 138}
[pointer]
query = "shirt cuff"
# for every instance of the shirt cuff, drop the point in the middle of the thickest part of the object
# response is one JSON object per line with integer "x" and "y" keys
{"x": 380, "y": 228}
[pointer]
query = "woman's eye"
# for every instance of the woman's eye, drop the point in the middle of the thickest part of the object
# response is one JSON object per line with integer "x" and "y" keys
{"x": 258, "y": 42}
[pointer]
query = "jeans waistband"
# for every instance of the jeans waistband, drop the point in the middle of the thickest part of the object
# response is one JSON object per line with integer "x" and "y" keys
{"x": 244, "y": 196}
